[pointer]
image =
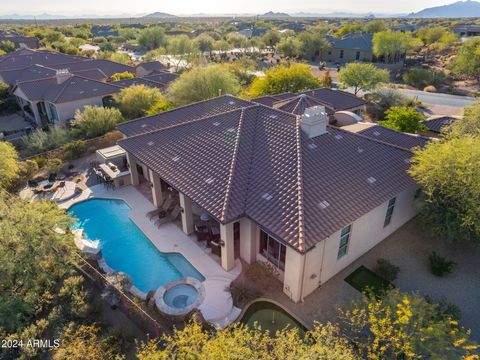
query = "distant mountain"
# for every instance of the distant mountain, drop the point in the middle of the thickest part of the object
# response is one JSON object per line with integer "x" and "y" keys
{"x": 276, "y": 15}
{"x": 160, "y": 15}
{"x": 339, "y": 14}
{"x": 457, "y": 9}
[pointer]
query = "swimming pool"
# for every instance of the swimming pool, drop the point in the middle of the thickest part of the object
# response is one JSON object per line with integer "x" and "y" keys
{"x": 125, "y": 247}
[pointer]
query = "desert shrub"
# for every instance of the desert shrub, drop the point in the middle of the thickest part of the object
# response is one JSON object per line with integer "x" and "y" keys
{"x": 40, "y": 160}
{"x": 430, "y": 88}
{"x": 381, "y": 100}
{"x": 421, "y": 78}
{"x": 440, "y": 266}
{"x": 53, "y": 165}
{"x": 44, "y": 140}
{"x": 74, "y": 149}
{"x": 96, "y": 120}
{"x": 386, "y": 269}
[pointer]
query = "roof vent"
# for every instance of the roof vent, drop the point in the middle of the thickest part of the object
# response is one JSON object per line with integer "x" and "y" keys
{"x": 231, "y": 130}
{"x": 216, "y": 123}
{"x": 273, "y": 116}
{"x": 231, "y": 102}
{"x": 371, "y": 179}
{"x": 338, "y": 137}
{"x": 61, "y": 75}
{"x": 176, "y": 158}
{"x": 143, "y": 125}
{"x": 150, "y": 143}
{"x": 324, "y": 204}
{"x": 312, "y": 146}
{"x": 376, "y": 133}
{"x": 209, "y": 181}
{"x": 406, "y": 161}
{"x": 267, "y": 196}
{"x": 360, "y": 150}
{"x": 314, "y": 121}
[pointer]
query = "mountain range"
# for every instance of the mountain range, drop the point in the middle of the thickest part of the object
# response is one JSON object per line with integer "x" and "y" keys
{"x": 159, "y": 15}
{"x": 457, "y": 9}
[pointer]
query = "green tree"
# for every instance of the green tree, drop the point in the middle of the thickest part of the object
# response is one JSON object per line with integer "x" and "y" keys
{"x": 9, "y": 167}
{"x": 348, "y": 29}
{"x": 238, "y": 41}
{"x": 382, "y": 99}
{"x": 271, "y": 38}
{"x": 204, "y": 43}
{"x": 96, "y": 120}
{"x": 375, "y": 26}
{"x": 152, "y": 38}
{"x": 122, "y": 75}
{"x": 403, "y": 118}
{"x": 290, "y": 46}
{"x": 243, "y": 69}
{"x": 158, "y": 107}
{"x": 449, "y": 173}
{"x": 312, "y": 43}
{"x": 240, "y": 342}
{"x": 279, "y": 79}
{"x": 202, "y": 83}
{"x": 469, "y": 126}
{"x": 362, "y": 76}
{"x": 467, "y": 62}
{"x": 392, "y": 45}
{"x": 134, "y": 101}
{"x": 403, "y": 326}
{"x": 182, "y": 51}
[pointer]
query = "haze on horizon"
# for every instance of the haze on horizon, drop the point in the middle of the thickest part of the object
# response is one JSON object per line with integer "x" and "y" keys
{"x": 186, "y": 7}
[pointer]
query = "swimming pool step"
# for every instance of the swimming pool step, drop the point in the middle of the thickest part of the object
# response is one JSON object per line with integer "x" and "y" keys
{"x": 230, "y": 318}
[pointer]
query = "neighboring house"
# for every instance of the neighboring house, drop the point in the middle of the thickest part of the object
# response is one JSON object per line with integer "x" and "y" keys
{"x": 56, "y": 99}
{"x": 103, "y": 30}
{"x": 149, "y": 67}
{"x": 467, "y": 30}
{"x": 22, "y": 41}
{"x": 138, "y": 81}
{"x": 163, "y": 77}
{"x": 287, "y": 189}
{"x": 352, "y": 47}
{"x": 106, "y": 66}
{"x": 436, "y": 124}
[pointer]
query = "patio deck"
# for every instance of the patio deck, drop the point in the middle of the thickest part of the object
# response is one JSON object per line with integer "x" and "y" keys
{"x": 408, "y": 248}
{"x": 218, "y": 304}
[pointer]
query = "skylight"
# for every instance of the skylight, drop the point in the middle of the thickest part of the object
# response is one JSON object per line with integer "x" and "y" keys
{"x": 267, "y": 196}
{"x": 324, "y": 204}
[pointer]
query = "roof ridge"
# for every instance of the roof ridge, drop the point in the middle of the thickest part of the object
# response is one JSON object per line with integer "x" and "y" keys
{"x": 232, "y": 166}
{"x": 183, "y": 107}
{"x": 372, "y": 139}
{"x": 301, "y": 230}
{"x": 67, "y": 82}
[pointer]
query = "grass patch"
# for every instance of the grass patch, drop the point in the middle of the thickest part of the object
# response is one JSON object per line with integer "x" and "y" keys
{"x": 364, "y": 279}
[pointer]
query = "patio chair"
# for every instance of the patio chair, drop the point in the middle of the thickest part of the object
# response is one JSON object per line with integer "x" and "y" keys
{"x": 163, "y": 209}
{"x": 170, "y": 217}
{"x": 155, "y": 211}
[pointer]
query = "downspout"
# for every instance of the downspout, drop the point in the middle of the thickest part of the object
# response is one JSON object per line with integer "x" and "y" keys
{"x": 321, "y": 263}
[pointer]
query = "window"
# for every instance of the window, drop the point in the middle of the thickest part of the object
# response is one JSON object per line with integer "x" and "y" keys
{"x": 341, "y": 54}
{"x": 357, "y": 55}
{"x": 344, "y": 240}
{"x": 273, "y": 250}
{"x": 388, "y": 216}
{"x": 53, "y": 112}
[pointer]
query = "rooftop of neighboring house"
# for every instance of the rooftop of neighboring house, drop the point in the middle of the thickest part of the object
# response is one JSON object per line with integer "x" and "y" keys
{"x": 387, "y": 135}
{"x": 24, "y": 58}
{"x": 107, "y": 66}
{"x": 335, "y": 100}
{"x": 138, "y": 81}
{"x": 357, "y": 41}
{"x": 162, "y": 77}
{"x": 475, "y": 28}
{"x": 64, "y": 88}
{"x": 152, "y": 66}
{"x": 436, "y": 124}
{"x": 18, "y": 38}
{"x": 238, "y": 158}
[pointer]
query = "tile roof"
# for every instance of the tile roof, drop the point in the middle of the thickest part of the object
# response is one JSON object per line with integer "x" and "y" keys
{"x": 357, "y": 41}
{"x": 34, "y": 72}
{"x": 255, "y": 161}
{"x": 162, "y": 77}
{"x": 337, "y": 100}
{"x": 151, "y": 65}
{"x": 297, "y": 105}
{"x": 182, "y": 115}
{"x": 24, "y": 59}
{"x": 107, "y": 66}
{"x": 397, "y": 138}
{"x": 137, "y": 81}
{"x": 436, "y": 124}
{"x": 73, "y": 88}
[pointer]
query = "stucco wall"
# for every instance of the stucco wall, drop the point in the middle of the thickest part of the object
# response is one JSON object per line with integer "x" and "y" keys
{"x": 66, "y": 111}
{"x": 349, "y": 55}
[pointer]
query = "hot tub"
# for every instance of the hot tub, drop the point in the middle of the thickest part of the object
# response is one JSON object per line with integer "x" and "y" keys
{"x": 178, "y": 298}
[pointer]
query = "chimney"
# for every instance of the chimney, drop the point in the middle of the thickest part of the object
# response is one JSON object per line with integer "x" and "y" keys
{"x": 62, "y": 75}
{"x": 314, "y": 121}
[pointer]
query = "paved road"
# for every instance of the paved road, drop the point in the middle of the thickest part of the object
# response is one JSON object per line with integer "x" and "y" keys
{"x": 439, "y": 99}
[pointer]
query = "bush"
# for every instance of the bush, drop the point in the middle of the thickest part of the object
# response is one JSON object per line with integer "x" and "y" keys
{"x": 386, "y": 269}
{"x": 440, "y": 266}
{"x": 122, "y": 75}
{"x": 430, "y": 88}
{"x": 421, "y": 78}
{"x": 95, "y": 121}
{"x": 41, "y": 140}
{"x": 134, "y": 101}
{"x": 53, "y": 165}
{"x": 40, "y": 160}
{"x": 74, "y": 149}
{"x": 381, "y": 100}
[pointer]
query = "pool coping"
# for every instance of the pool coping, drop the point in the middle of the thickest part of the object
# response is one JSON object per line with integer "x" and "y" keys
{"x": 265, "y": 299}
{"x": 218, "y": 303}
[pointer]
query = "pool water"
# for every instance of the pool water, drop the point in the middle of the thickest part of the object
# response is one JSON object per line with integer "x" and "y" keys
{"x": 180, "y": 296}
{"x": 125, "y": 247}
{"x": 271, "y": 317}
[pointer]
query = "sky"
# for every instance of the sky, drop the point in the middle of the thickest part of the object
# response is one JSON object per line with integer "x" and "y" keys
{"x": 185, "y": 7}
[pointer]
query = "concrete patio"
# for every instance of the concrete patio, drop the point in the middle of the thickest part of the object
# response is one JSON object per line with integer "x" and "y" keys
{"x": 409, "y": 249}
{"x": 217, "y": 306}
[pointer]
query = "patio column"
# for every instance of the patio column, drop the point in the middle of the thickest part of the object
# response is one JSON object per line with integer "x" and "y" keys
{"x": 187, "y": 213}
{"x": 248, "y": 240}
{"x": 228, "y": 255}
{"x": 156, "y": 189}
{"x": 133, "y": 169}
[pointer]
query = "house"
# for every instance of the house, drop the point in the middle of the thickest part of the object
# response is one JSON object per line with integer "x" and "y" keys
{"x": 20, "y": 41}
{"x": 149, "y": 67}
{"x": 436, "y": 124}
{"x": 55, "y": 99}
{"x": 467, "y": 30}
{"x": 352, "y": 47}
{"x": 284, "y": 188}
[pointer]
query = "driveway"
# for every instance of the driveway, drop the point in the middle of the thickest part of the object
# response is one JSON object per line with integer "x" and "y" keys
{"x": 407, "y": 248}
